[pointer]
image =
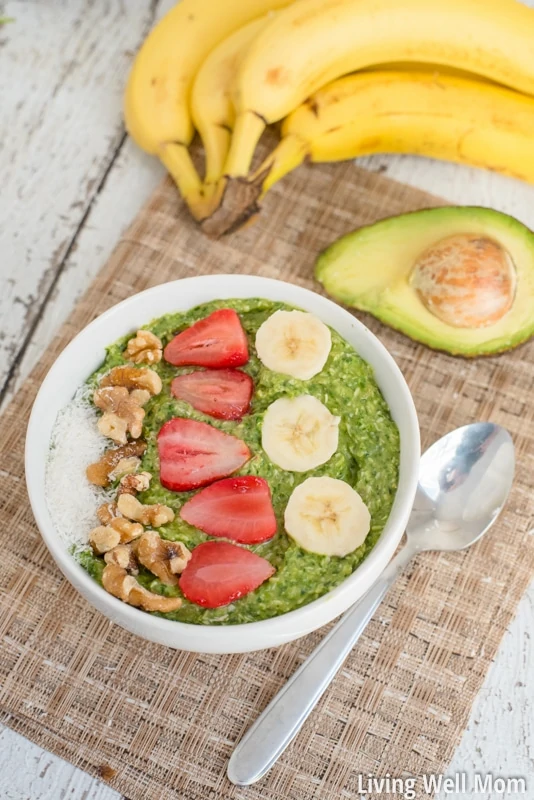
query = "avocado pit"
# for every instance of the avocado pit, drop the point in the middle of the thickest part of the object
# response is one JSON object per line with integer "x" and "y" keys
{"x": 466, "y": 280}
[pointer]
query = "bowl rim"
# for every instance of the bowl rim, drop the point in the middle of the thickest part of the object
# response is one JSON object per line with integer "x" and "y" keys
{"x": 285, "y": 626}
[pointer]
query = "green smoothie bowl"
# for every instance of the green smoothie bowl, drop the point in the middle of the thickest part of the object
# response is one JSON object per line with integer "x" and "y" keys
{"x": 223, "y": 463}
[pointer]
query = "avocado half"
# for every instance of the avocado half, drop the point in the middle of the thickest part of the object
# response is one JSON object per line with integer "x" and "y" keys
{"x": 372, "y": 269}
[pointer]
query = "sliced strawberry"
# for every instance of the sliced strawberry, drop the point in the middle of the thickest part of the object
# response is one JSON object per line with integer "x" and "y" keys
{"x": 192, "y": 454}
{"x": 221, "y": 393}
{"x": 234, "y": 508}
{"x": 219, "y": 573}
{"x": 217, "y": 341}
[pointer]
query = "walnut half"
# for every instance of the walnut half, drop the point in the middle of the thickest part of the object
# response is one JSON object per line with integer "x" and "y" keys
{"x": 133, "y": 378}
{"x": 106, "y": 512}
{"x": 99, "y": 472}
{"x": 125, "y": 467}
{"x": 127, "y": 530}
{"x": 122, "y": 415}
{"x": 155, "y": 515}
{"x": 123, "y": 556}
{"x": 117, "y": 582}
{"x": 144, "y": 347}
{"x": 131, "y": 484}
{"x": 117, "y": 531}
{"x": 103, "y": 539}
{"x": 140, "y": 396}
{"x": 163, "y": 558}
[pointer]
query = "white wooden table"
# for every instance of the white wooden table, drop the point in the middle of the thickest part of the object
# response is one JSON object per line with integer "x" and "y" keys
{"x": 70, "y": 183}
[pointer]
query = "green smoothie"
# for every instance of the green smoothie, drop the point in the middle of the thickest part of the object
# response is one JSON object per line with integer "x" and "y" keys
{"x": 367, "y": 458}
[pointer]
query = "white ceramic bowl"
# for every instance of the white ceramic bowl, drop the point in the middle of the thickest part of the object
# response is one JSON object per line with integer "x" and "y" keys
{"x": 86, "y": 352}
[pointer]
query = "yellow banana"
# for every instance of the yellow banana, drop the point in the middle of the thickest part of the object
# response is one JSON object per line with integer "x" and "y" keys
{"x": 212, "y": 108}
{"x": 437, "y": 115}
{"x": 313, "y": 42}
{"x": 432, "y": 114}
{"x": 434, "y": 69}
{"x": 156, "y": 106}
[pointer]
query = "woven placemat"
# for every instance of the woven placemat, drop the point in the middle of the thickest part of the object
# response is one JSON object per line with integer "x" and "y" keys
{"x": 160, "y": 724}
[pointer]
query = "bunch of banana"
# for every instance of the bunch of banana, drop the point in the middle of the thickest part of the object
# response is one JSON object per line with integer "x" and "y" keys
{"x": 212, "y": 108}
{"x": 157, "y": 101}
{"x": 234, "y": 68}
{"x": 442, "y": 116}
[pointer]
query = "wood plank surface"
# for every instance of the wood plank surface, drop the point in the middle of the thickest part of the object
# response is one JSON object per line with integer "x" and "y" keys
{"x": 63, "y": 70}
{"x": 70, "y": 184}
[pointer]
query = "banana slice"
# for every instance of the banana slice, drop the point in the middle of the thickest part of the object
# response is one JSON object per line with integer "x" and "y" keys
{"x": 294, "y": 343}
{"x": 299, "y": 433}
{"x": 327, "y": 516}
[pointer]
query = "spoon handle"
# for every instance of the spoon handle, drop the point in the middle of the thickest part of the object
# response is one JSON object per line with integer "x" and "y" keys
{"x": 277, "y": 726}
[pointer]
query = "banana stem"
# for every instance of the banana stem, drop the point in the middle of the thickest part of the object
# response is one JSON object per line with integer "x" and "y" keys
{"x": 247, "y": 131}
{"x": 289, "y": 154}
{"x": 236, "y": 200}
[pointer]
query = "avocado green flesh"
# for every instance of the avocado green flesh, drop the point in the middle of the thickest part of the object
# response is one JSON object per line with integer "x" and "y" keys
{"x": 370, "y": 269}
{"x": 367, "y": 458}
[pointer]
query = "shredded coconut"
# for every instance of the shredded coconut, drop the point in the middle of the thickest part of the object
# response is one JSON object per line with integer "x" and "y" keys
{"x": 75, "y": 443}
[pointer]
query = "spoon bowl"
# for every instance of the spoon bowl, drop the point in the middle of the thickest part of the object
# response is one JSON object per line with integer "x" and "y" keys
{"x": 464, "y": 480}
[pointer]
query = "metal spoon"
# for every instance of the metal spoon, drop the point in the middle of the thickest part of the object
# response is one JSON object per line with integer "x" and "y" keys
{"x": 464, "y": 480}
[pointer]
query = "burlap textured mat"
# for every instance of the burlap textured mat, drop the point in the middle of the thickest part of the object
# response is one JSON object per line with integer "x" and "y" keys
{"x": 161, "y": 724}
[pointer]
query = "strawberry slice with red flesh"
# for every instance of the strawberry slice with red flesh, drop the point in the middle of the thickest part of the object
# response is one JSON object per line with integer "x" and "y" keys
{"x": 221, "y": 393}
{"x": 219, "y": 573}
{"x": 239, "y": 508}
{"x": 192, "y": 454}
{"x": 216, "y": 341}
